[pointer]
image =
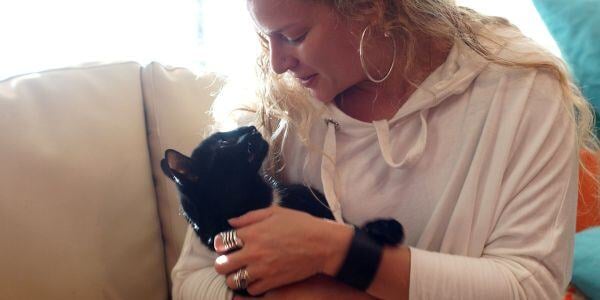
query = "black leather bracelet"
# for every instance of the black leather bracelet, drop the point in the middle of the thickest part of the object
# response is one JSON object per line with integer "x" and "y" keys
{"x": 362, "y": 261}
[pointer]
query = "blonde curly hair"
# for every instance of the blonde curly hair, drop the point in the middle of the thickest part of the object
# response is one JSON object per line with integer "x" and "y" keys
{"x": 282, "y": 104}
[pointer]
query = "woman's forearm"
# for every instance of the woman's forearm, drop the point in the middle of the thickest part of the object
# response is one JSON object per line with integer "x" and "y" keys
{"x": 392, "y": 279}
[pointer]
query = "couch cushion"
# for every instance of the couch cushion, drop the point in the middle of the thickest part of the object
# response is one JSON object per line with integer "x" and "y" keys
{"x": 177, "y": 104}
{"x": 77, "y": 204}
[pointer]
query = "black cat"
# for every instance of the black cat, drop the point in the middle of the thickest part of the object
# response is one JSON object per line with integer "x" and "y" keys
{"x": 221, "y": 180}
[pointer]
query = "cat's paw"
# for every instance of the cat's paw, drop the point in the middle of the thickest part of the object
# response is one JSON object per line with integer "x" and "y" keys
{"x": 385, "y": 231}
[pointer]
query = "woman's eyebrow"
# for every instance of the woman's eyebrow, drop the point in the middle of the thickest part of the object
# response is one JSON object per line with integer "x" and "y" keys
{"x": 284, "y": 28}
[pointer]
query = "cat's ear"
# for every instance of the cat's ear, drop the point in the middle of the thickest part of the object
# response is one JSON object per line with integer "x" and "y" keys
{"x": 178, "y": 167}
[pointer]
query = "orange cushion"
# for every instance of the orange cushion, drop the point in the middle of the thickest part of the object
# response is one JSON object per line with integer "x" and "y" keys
{"x": 588, "y": 203}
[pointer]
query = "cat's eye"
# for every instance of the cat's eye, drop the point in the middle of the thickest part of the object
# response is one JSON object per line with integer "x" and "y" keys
{"x": 224, "y": 143}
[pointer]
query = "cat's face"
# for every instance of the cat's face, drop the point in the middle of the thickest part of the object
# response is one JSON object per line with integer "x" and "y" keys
{"x": 240, "y": 150}
{"x": 214, "y": 182}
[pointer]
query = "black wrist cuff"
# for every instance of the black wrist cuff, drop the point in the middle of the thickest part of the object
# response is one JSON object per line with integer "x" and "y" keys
{"x": 361, "y": 262}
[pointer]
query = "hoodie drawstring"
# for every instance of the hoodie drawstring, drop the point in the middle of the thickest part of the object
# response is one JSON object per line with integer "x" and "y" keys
{"x": 382, "y": 129}
{"x": 328, "y": 170}
{"x": 328, "y": 162}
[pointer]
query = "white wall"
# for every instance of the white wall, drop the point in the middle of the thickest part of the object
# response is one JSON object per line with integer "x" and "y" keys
{"x": 40, "y": 34}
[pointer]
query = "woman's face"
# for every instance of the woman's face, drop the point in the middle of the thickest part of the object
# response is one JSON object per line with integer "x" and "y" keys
{"x": 312, "y": 42}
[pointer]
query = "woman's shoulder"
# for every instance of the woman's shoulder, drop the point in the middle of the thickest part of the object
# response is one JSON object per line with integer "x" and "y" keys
{"x": 511, "y": 47}
{"x": 510, "y": 43}
{"x": 516, "y": 57}
{"x": 522, "y": 77}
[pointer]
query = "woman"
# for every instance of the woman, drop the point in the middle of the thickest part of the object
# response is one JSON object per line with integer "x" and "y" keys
{"x": 451, "y": 122}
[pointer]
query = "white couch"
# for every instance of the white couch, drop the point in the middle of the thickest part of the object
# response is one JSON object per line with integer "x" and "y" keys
{"x": 85, "y": 212}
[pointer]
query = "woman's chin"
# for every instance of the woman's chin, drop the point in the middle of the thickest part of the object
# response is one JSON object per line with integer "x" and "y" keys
{"x": 322, "y": 97}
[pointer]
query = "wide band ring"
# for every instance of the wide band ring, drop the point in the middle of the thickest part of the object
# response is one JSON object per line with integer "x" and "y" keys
{"x": 241, "y": 279}
{"x": 231, "y": 241}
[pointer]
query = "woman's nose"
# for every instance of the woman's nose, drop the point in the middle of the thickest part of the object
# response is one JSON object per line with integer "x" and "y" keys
{"x": 281, "y": 60}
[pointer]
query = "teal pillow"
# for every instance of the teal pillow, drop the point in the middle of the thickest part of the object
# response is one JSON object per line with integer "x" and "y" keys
{"x": 575, "y": 25}
{"x": 586, "y": 264}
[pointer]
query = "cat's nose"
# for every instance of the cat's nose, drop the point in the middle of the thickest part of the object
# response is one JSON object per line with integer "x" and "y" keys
{"x": 249, "y": 135}
{"x": 246, "y": 136}
{"x": 252, "y": 133}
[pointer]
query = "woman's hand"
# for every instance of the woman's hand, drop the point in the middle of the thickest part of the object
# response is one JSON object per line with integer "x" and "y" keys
{"x": 316, "y": 287}
{"x": 283, "y": 246}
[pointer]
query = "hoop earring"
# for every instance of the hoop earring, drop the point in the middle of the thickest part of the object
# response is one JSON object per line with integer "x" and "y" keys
{"x": 362, "y": 58}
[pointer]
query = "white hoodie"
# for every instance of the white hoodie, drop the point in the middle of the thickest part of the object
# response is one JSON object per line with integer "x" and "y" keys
{"x": 479, "y": 165}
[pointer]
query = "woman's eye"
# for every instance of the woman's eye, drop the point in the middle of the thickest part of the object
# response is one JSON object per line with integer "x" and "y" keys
{"x": 295, "y": 40}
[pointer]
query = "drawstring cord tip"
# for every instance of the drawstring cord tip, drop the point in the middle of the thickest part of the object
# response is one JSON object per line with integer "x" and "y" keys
{"x": 336, "y": 125}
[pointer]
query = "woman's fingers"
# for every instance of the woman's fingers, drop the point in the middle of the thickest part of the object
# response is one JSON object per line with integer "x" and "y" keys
{"x": 286, "y": 245}
{"x": 251, "y": 217}
{"x": 235, "y": 241}
{"x": 253, "y": 275}
{"x": 218, "y": 244}
{"x": 258, "y": 281}
{"x": 230, "y": 263}
{"x": 262, "y": 286}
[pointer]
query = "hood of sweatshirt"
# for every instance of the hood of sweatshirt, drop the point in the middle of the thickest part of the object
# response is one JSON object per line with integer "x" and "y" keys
{"x": 454, "y": 76}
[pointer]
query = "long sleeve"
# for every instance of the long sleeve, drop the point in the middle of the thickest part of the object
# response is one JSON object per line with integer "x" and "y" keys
{"x": 194, "y": 276}
{"x": 517, "y": 237}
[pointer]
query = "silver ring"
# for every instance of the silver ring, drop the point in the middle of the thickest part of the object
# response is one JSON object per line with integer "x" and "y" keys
{"x": 241, "y": 279}
{"x": 231, "y": 241}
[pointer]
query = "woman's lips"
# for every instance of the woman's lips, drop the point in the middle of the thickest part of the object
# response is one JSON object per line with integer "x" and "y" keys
{"x": 308, "y": 81}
